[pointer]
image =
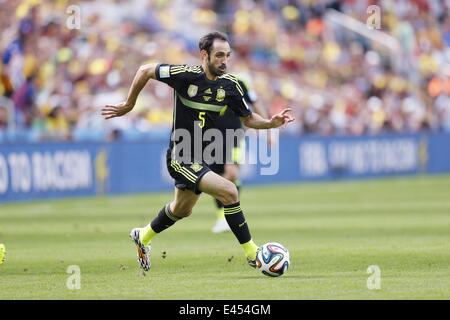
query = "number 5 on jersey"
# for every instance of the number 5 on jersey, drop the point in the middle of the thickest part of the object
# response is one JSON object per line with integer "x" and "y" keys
{"x": 201, "y": 116}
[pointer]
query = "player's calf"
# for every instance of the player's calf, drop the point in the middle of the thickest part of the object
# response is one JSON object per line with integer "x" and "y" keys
{"x": 180, "y": 210}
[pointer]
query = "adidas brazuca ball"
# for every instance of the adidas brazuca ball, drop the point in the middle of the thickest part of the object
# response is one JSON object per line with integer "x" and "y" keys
{"x": 272, "y": 259}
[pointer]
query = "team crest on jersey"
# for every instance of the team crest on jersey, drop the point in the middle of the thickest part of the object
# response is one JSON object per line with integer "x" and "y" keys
{"x": 220, "y": 95}
{"x": 192, "y": 90}
{"x": 196, "y": 167}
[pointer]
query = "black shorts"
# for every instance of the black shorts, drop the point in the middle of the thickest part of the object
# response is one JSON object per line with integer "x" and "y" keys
{"x": 186, "y": 176}
{"x": 218, "y": 168}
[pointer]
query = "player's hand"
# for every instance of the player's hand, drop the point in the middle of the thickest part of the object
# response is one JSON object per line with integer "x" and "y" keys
{"x": 117, "y": 110}
{"x": 281, "y": 118}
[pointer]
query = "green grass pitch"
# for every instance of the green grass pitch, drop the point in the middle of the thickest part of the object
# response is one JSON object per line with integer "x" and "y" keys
{"x": 334, "y": 232}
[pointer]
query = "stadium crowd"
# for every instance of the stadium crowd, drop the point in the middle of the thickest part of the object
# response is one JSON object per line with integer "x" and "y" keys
{"x": 55, "y": 78}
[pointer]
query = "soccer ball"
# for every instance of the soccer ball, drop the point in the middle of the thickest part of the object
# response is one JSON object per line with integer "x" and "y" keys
{"x": 272, "y": 259}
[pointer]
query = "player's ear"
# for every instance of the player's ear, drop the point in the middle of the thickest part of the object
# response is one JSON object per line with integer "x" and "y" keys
{"x": 204, "y": 54}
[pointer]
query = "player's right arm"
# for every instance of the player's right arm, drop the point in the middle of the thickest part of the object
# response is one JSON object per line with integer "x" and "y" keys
{"x": 144, "y": 73}
{"x": 175, "y": 76}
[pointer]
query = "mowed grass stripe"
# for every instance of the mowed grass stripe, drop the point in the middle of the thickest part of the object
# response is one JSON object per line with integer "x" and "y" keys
{"x": 334, "y": 231}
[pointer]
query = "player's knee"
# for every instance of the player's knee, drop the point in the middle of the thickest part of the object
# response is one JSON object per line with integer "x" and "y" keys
{"x": 232, "y": 176}
{"x": 231, "y": 172}
{"x": 229, "y": 194}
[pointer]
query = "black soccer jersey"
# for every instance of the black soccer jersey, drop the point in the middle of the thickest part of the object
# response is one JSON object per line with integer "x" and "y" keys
{"x": 199, "y": 103}
{"x": 229, "y": 120}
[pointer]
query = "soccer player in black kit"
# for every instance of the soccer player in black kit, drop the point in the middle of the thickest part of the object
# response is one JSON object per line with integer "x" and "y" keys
{"x": 201, "y": 92}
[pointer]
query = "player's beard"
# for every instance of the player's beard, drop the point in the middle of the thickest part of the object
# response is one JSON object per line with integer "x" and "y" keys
{"x": 215, "y": 71}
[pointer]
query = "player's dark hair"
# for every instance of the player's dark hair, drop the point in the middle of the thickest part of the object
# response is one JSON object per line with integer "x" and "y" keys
{"x": 206, "y": 42}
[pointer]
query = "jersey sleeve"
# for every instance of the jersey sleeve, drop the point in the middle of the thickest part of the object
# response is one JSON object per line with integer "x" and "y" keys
{"x": 174, "y": 75}
{"x": 249, "y": 94}
{"x": 238, "y": 103}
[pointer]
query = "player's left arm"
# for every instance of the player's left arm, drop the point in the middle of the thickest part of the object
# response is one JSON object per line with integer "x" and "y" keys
{"x": 255, "y": 121}
{"x": 257, "y": 108}
{"x": 251, "y": 119}
{"x": 251, "y": 98}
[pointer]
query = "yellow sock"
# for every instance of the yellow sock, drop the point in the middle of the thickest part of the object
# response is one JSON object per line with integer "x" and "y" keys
{"x": 146, "y": 235}
{"x": 220, "y": 213}
{"x": 250, "y": 249}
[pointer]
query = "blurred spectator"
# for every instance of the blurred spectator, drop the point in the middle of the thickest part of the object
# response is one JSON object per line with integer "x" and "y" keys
{"x": 337, "y": 82}
{"x": 3, "y": 118}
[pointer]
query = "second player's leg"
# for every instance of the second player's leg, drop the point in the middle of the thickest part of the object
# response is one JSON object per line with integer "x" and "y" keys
{"x": 229, "y": 171}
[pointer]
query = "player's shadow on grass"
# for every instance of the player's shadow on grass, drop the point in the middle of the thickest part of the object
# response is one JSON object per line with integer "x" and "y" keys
{"x": 258, "y": 276}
